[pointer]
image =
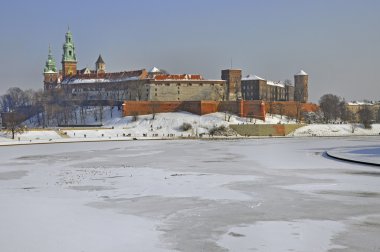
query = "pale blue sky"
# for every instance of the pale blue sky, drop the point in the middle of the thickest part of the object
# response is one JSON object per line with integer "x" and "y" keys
{"x": 336, "y": 41}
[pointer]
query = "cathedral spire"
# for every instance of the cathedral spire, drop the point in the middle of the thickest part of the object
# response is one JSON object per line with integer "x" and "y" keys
{"x": 69, "y": 59}
{"x": 50, "y": 66}
{"x": 100, "y": 65}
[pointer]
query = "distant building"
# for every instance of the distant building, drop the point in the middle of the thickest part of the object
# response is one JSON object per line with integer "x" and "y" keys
{"x": 355, "y": 106}
{"x": 184, "y": 87}
{"x": 156, "y": 85}
{"x": 256, "y": 88}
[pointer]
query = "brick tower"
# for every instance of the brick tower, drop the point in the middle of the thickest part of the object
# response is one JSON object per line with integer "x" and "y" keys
{"x": 233, "y": 81}
{"x": 50, "y": 73}
{"x": 301, "y": 82}
{"x": 69, "y": 59}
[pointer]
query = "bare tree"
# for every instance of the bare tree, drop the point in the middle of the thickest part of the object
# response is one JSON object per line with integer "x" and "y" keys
{"x": 219, "y": 93}
{"x": 288, "y": 82}
{"x": 136, "y": 91}
{"x": 13, "y": 123}
{"x": 135, "y": 116}
{"x": 153, "y": 108}
{"x": 280, "y": 109}
{"x": 366, "y": 117}
{"x": 378, "y": 115}
{"x": 271, "y": 107}
{"x": 330, "y": 106}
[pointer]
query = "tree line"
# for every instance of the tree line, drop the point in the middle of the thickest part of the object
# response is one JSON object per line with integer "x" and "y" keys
{"x": 58, "y": 107}
{"x": 334, "y": 109}
{"x": 49, "y": 108}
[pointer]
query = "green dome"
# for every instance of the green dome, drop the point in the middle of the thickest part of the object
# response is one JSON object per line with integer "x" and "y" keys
{"x": 69, "y": 48}
{"x": 50, "y": 66}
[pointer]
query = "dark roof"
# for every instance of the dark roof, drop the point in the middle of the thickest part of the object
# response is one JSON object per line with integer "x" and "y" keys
{"x": 100, "y": 60}
{"x": 109, "y": 77}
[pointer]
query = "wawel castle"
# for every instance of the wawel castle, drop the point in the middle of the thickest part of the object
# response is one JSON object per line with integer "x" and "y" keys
{"x": 155, "y": 85}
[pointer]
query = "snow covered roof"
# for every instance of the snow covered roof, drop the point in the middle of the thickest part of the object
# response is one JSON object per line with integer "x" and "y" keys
{"x": 277, "y": 84}
{"x": 82, "y": 81}
{"x": 155, "y": 70}
{"x": 104, "y": 77}
{"x": 252, "y": 77}
{"x": 301, "y": 72}
{"x": 50, "y": 72}
{"x": 162, "y": 77}
{"x": 358, "y": 103}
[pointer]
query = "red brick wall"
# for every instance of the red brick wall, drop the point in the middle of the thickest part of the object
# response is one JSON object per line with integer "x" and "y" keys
{"x": 289, "y": 108}
{"x": 147, "y": 107}
{"x": 241, "y": 108}
{"x": 254, "y": 109}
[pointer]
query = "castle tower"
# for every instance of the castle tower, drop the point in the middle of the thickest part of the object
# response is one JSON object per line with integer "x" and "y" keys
{"x": 100, "y": 65}
{"x": 301, "y": 82}
{"x": 50, "y": 72}
{"x": 233, "y": 83}
{"x": 69, "y": 60}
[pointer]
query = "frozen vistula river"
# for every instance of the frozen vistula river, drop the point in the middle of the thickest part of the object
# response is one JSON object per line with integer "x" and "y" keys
{"x": 243, "y": 195}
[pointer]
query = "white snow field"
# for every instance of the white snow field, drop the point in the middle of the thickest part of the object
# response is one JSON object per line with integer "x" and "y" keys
{"x": 167, "y": 126}
{"x": 274, "y": 194}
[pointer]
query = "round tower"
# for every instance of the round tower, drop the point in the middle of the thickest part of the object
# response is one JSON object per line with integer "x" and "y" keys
{"x": 69, "y": 59}
{"x": 50, "y": 72}
{"x": 301, "y": 82}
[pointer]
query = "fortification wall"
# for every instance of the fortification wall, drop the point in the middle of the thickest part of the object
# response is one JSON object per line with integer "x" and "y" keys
{"x": 289, "y": 108}
{"x": 253, "y": 109}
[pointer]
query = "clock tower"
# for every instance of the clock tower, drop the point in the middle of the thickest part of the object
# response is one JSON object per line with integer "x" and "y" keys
{"x": 69, "y": 59}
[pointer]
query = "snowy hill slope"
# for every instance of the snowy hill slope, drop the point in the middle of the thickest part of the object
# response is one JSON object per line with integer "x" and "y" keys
{"x": 168, "y": 125}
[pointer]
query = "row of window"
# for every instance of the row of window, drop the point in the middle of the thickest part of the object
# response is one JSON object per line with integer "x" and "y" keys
{"x": 183, "y": 84}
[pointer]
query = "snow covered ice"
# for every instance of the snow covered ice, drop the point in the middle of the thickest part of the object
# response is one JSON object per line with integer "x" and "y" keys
{"x": 188, "y": 195}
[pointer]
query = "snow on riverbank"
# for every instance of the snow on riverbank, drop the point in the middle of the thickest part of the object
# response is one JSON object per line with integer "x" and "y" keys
{"x": 336, "y": 130}
{"x": 168, "y": 125}
{"x": 164, "y": 125}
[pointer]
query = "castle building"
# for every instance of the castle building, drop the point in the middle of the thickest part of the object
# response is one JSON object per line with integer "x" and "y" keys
{"x": 158, "y": 85}
{"x": 140, "y": 85}
{"x": 256, "y": 88}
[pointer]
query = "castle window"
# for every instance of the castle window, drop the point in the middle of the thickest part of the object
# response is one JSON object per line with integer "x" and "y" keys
{"x": 70, "y": 53}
